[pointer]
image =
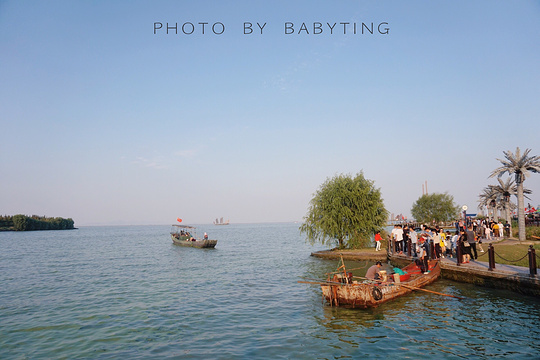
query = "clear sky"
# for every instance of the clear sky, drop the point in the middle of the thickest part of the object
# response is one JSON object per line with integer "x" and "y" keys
{"x": 104, "y": 121}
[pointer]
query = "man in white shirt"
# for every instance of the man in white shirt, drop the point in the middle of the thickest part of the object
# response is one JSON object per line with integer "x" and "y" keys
{"x": 399, "y": 239}
{"x": 414, "y": 240}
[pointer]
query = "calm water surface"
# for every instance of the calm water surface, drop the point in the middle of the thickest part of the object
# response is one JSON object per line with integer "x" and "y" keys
{"x": 127, "y": 292}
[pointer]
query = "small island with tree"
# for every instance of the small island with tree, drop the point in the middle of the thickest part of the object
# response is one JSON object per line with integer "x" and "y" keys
{"x": 34, "y": 222}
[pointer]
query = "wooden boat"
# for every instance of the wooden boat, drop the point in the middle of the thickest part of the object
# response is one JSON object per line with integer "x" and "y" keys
{"x": 185, "y": 235}
{"x": 341, "y": 290}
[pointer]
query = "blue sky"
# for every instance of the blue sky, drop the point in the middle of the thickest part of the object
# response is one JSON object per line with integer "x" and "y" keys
{"x": 106, "y": 122}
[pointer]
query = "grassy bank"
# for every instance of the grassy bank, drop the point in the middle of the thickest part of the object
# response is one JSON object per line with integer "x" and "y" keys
{"x": 508, "y": 254}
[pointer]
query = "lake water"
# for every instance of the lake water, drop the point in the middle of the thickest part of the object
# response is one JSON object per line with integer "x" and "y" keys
{"x": 128, "y": 292}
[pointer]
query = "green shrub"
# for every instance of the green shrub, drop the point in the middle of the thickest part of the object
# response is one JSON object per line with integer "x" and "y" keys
{"x": 531, "y": 231}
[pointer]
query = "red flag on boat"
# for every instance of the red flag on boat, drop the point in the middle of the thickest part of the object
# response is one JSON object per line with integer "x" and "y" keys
{"x": 178, "y": 219}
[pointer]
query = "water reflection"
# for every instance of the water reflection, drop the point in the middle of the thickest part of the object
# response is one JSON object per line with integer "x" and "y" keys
{"x": 487, "y": 323}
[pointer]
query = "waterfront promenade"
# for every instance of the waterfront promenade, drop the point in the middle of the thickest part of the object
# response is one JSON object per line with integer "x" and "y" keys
{"x": 510, "y": 277}
{"x": 515, "y": 278}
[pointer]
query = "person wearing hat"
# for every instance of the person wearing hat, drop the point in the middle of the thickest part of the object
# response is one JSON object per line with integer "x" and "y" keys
{"x": 373, "y": 271}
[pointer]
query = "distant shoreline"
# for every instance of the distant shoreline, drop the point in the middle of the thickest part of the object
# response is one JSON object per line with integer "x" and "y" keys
{"x": 21, "y": 222}
{"x": 11, "y": 229}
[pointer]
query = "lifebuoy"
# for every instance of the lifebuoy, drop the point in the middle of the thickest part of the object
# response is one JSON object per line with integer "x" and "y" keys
{"x": 377, "y": 293}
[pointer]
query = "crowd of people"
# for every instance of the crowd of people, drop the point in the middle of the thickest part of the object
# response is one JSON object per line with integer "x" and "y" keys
{"x": 434, "y": 242}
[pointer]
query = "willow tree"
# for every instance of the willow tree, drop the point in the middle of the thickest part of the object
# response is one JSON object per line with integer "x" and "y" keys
{"x": 345, "y": 212}
{"x": 435, "y": 207}
{"x": 519, "y": 165}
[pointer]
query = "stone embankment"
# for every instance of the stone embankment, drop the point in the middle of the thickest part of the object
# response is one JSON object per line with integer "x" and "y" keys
{"x": 515, "y": 278}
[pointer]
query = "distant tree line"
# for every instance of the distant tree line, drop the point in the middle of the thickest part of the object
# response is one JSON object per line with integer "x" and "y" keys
{"x": 34, "y": 222}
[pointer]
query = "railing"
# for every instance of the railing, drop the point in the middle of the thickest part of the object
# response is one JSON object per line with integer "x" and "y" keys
{"x": 431, "y": 254}
{"x": 531, "y": 254}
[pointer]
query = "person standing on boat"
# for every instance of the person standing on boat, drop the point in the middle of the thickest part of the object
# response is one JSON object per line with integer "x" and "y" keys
{"x": 426, "y": 235}
{"x": 205, "y": 236}
{"x": 422, "y": 261}
{"x": 373, "y": 271}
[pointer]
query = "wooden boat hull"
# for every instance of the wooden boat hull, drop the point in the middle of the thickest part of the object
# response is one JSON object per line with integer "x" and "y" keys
{"x": 364, "y": 295}
{"x": 197, "y": 243}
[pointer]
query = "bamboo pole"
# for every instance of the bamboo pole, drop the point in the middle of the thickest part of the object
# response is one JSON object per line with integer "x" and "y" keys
{"x": 322, "y": 282}
{"x": 337, "y": 272}
{"x": 431, "y": 291}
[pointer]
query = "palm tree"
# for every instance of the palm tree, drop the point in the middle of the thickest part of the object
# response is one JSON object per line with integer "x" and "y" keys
{"x": 520, "y": 166}
{"x": 488, "y": 198}
{"x": 504, "y": 190}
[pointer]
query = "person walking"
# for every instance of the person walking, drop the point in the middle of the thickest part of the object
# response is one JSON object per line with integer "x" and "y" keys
{"x": 487, "y": 231}
{"x": 501, "y": 229}
{"x": 464, "y": 246}
{"x": 507, "y": 229}
{"x": 471, "y": 239}
{"x": 495, "y": 229}
{"x": 378, "y": 240}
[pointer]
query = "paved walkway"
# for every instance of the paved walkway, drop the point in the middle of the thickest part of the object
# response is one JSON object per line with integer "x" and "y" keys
{"x": 484, "y": 265}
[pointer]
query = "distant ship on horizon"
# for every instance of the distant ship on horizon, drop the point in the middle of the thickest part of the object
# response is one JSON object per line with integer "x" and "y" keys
{"x": 220, "y": 222}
